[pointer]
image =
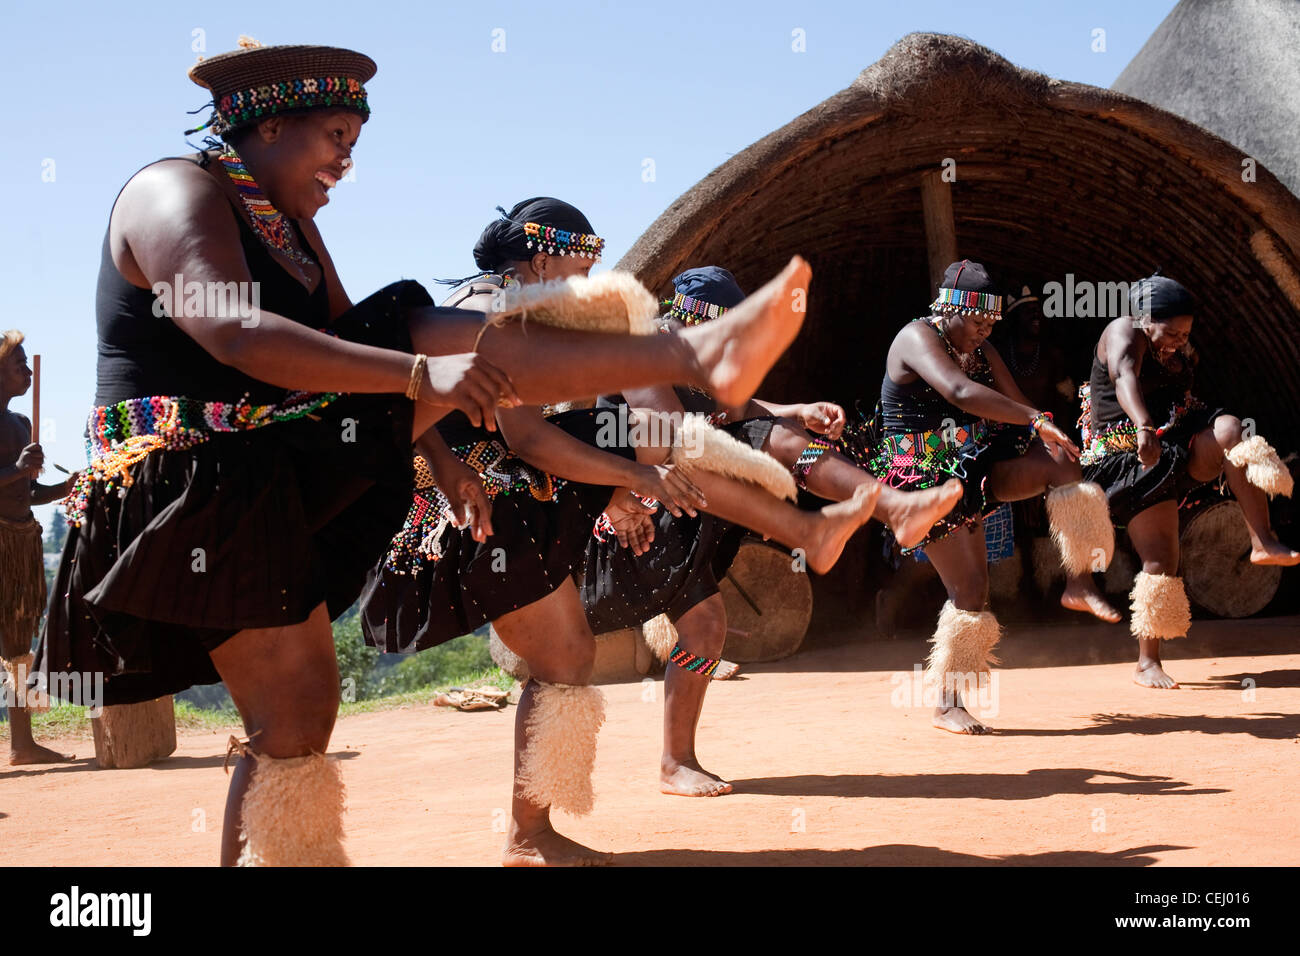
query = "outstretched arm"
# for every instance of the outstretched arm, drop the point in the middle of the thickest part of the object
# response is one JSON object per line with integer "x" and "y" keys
{"x": 174, "y": 220}
{"x": 550, "y": 448}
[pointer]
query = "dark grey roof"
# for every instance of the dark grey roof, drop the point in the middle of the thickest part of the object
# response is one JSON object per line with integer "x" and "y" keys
{"x": 1232, "y": 66}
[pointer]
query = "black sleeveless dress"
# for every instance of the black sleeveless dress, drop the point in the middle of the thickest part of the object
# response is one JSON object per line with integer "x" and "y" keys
{"x": 917, "y": 439}
{"x": 686, "y": 560}
{"x": 1109, "y": 438}
{"x": 215, "y": 526}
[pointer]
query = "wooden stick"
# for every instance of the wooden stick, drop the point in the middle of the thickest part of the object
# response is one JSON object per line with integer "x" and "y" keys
{"x": 36, "y": 399}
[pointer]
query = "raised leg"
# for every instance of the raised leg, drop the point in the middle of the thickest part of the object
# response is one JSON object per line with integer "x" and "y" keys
{"x": 729, "y": 357}
{"x": 909, "y": 515}
{"x": 1040, "y": 470}
{"x": 821, "y": 535}
{"x": 1209, "y": 459}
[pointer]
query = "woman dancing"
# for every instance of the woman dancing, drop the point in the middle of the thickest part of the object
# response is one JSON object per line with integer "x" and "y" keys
{"x": 1148, "y": 441}
{"x": 528, "y": 501}
{"x": 250, "y": 441}
{"x": 949, "y": 407}
{"x": 671, "y": 579}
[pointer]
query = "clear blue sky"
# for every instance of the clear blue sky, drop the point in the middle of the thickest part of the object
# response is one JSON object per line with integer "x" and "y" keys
{"x": 581, "y": 95}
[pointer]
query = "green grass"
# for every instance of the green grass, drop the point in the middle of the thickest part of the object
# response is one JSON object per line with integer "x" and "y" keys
{"x": 67, "y": 720}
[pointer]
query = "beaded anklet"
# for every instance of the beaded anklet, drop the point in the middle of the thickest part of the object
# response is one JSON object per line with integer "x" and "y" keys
{"x": 690, "y": 662}
{"x": 807, "y": 458}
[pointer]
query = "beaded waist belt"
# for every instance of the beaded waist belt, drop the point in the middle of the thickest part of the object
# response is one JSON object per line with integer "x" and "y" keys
{"x": 1122, "y": 436}
{"x": 933, "y": 447}
{"x": 502, "y": 473}
{"x": 120, "y": 435}
{"x": 904, "y": 458}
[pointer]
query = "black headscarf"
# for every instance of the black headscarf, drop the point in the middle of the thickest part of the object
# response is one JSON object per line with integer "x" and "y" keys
{"x": 503, "y": 241}
{"x": 1160, "y": 297}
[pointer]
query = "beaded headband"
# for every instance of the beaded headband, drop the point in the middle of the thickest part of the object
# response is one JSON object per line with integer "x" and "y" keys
{"x": 693, "y": 311}
{"x": 549, "y": 239}
{"x": 961, "y": 302}
{"x": 255, "y": 82}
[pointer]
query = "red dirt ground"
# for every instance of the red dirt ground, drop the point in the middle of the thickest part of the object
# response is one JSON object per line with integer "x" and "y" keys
{"x": 1086, "y": 768}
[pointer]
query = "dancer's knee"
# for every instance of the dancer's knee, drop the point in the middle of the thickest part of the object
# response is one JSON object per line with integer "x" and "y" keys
{"x": 571, "y": 664}
{"x": 1227, "y": 431}
{"x": 703, "y": 629}
{"x": 296, "y": 724}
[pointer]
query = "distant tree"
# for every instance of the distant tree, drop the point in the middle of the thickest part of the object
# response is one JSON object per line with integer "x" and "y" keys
{"x": 58, "y": 534}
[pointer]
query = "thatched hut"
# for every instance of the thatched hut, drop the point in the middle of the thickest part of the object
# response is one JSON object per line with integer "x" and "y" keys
{"x": 943, "y": 149}
{"x": 1232, "y": 68}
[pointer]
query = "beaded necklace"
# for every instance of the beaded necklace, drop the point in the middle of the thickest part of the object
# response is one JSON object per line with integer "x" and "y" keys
{"x": 968, "y": 362}
{"x": 1024, "y": 372}
{"x": 269, "y": 223}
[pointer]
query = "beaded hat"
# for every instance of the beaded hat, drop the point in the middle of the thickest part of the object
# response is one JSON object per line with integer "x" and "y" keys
{"x": 703, "y": 294}
{"x": 254, "y": 82}
{"x": 966, "y": 289}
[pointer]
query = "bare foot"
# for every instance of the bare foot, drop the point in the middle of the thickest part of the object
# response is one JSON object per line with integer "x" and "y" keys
{"x": 37, "y": 754}
{"x": 725, "y": 670}
{"x": 915, "y": 512}
{"x": 1274, "y": 552}
{"x": 1081, "y": 597}
{"x": 738, "y": 350}
{"x": 956, "y": 720}
{"x": 836, "y": 524}
{"x": 689, "y": 779}
{"x": 548, "y": 848}
{"x": 1149, "y": 673}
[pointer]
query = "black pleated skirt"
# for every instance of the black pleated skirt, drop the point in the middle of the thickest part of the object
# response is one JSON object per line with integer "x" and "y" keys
{"x": 535, "y": 546}
{"x": 1132, "y": 488}
{"x": 682, "y": 568}
{"x": 249, "y": 529}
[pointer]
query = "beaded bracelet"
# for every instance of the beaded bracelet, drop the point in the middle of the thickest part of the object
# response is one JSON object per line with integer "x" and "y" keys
{"x": 1039, "y": 420}
{"x": 417, "y": 378}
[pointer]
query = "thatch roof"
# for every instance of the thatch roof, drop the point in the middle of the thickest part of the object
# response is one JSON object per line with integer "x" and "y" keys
{"x": 1052, "y": 178}
{"x": 1232, "y": 67}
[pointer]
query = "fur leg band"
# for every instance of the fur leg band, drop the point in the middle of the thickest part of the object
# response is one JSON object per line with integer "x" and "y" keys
{"x": 1264, "y": 469}
{"x": 660, "y": 636}
{"x": 1081, "y": 526}
{"x": 700, "y": 446}
{"x": 555, "y": 769}
{"x": 293, "y": 812}
{"x": 963, "y": 645}
{"x": 1160, "y": 608}
{"x": 609, "y": 302}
